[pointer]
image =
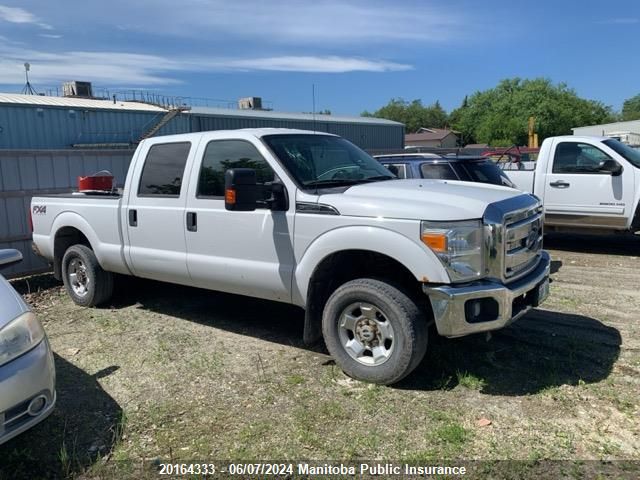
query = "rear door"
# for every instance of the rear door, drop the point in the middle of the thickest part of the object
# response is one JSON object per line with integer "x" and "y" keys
{"x": 155, "y": 217}
{"x": 578, "y": 193}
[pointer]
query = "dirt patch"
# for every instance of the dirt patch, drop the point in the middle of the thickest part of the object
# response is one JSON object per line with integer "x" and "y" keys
{"x": 168, "y": 373}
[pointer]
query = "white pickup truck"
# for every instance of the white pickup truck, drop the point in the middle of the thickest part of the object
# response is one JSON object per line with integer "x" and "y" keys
{"x": 587, "y": 184}
{"x": 307, "y": 219}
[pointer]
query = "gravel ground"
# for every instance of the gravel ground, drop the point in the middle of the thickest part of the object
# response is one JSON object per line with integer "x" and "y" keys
{"x": 169, "y": 373}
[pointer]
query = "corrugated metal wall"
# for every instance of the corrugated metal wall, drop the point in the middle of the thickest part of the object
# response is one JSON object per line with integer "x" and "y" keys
{"x": 32, "y": 126}
{"x": 366, "y": 136}
{"x": 27, "y": 173}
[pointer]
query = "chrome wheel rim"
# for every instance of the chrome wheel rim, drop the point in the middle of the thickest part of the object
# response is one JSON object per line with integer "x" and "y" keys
{"x": 78, "y": 278}
{"x": 366, "y": 334}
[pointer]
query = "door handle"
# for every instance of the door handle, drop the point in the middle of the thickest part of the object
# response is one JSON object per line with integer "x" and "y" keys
{"x": 560, "y": 184}
{"x": 192, "y": 221}
{"x": 133, "y": 218}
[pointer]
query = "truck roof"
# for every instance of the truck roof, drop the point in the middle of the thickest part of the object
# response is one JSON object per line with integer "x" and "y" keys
{"x": 244, "y": 132}
{"x": 582, "y": 137}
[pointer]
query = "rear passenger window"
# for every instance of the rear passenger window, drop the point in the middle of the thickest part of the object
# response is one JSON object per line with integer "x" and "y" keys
{"x": 222, "y": 155}
{"x": 163, "y": 169}
{"x": 438, "y": 171}
{"x": 398, "y": 169}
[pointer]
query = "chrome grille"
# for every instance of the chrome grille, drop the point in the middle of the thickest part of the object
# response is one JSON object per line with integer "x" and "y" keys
{"x": 523, "y": 241}
{"x": 513, "y": 237}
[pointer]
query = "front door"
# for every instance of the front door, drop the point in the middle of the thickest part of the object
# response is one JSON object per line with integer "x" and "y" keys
{"x": 578, "y": 193}
{"x": 249, "y": 253}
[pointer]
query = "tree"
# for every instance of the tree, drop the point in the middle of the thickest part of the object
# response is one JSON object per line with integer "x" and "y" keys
{"x": 631, "y": 108}
{"x": 499, "y": 116}
{"x": 413, "y": 114}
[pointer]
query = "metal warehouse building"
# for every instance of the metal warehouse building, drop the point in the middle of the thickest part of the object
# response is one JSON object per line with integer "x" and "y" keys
{"x": 39, "y": 122}
{"x": 47, "y": 142}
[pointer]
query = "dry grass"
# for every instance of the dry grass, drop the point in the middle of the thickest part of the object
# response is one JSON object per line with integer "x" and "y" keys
{"x": 176, "y": 374}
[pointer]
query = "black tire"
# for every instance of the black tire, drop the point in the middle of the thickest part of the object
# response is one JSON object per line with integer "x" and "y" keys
{"x": 99, "y": 287}
{"x": 410, "y": 330}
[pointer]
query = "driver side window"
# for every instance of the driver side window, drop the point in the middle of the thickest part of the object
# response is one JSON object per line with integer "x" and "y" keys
{"x": 575, "y": 157}
{"x": 222, "y": 155}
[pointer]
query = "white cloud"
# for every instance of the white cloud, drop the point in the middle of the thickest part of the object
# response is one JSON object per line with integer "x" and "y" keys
{"x": 49, "y": 35}
{"x": 20, "y": 15}
{"x": 121, "y": 68}
{"x": 328, "y": 64}
{"x": 343, "y": 23}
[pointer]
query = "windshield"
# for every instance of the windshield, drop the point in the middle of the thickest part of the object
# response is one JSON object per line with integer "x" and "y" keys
{"x": 486, "y": 172}
{"x": 630, "y": 154}
{"x": 322, "y": 160}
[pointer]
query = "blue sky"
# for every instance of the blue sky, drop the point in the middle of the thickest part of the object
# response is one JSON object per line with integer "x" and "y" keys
{"x": 358, "y": 53}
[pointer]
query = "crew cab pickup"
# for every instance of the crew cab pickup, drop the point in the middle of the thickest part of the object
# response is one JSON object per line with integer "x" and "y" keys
{"x": 311, "y": 220}
{"x": 587, "y": 184}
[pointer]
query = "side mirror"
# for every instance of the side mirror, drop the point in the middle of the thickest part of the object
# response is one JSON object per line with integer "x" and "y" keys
{"x": 9, "y": 257}
{"x": 612, "y": 167}
{"x": 240, "y": 190}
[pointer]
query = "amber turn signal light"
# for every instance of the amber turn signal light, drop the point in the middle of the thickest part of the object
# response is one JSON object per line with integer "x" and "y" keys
{"x": 230, "y": 196}
{"x": 435, "y": 241}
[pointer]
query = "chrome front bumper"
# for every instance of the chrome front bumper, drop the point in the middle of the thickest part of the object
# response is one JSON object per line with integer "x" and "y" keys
{"x": 513, "y": 300}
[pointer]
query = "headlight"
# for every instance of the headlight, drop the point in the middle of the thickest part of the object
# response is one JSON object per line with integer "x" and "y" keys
{"x": 458, "y": 245}
{"x": 19, "y": 336}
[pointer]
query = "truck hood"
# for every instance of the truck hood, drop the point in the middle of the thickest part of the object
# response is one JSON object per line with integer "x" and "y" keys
{"x": 418, "y": 199}
{"x": 11, "y": 303}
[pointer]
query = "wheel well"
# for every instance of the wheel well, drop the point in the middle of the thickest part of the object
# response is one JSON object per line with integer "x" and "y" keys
{"x": 341, "y": 267}
{"x": 65, "y": 237}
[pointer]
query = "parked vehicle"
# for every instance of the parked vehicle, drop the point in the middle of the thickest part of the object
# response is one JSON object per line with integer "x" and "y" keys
{"x": 445, "y": 167}
{"x": 312, "y": 220}
{"x": 27, "y": 373}
{"x": 587, "y": 184}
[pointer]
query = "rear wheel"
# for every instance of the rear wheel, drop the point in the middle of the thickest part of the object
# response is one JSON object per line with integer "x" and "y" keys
{"x": 86, "y": 282}
{"x": 374, "y": 331}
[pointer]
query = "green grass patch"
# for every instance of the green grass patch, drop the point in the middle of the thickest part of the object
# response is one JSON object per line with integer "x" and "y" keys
{"x": 470, "y": 381}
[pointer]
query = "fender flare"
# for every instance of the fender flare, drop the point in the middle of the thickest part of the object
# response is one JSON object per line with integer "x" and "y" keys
{"x": 74, "y": 220}
{"x": 417, "y": 258}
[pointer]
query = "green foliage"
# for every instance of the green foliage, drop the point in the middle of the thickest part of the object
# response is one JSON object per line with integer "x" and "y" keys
{"x": 631, "y": 108}
{"x": 413, "y": 114}
{"x": 499, "y": 116}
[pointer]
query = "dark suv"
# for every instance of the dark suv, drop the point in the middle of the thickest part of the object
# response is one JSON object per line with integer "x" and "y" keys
{"x": 445, "y": 167}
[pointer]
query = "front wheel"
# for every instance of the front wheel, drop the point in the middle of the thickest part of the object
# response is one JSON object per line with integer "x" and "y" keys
{"x": 86, "y": 282}
{"x": 374, "y": 331}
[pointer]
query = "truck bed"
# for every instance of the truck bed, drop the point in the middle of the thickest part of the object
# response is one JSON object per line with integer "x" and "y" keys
{"x": 97, "y": 215}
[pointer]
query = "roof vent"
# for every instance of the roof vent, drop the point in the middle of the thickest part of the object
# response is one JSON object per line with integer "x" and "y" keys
{"x": 250, "y": 103}
{"x": 77, "y": 89}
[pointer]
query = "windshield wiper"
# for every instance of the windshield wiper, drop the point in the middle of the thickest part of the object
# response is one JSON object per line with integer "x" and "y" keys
{"x": 377, "y": 178}
{"x": 333, "y": 182}
{"x": 346, "y": 181}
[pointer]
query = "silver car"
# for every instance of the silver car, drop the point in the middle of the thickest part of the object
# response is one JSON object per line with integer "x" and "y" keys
{"x": 27, "y": 372}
